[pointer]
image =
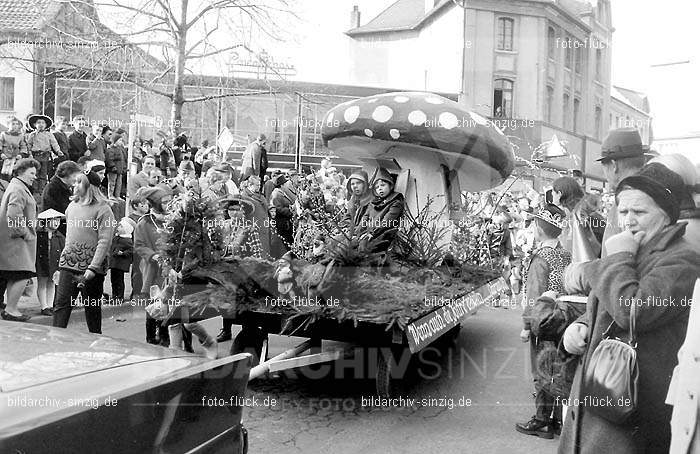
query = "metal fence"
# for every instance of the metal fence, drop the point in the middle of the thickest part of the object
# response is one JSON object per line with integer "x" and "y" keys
{"x": 289, "y": 119}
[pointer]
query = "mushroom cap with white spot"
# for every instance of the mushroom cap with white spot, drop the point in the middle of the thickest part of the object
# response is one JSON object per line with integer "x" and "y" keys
{"x": 421, "y": 120}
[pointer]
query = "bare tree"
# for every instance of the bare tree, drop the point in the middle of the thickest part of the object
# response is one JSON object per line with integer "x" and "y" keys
{"x": 159, "y": 45}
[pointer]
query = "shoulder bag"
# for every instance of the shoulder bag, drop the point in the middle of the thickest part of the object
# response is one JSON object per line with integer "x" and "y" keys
{"x": 611, "y": 377}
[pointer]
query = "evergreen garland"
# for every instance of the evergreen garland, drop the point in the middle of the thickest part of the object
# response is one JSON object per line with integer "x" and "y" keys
{"x": 193, "y": 232}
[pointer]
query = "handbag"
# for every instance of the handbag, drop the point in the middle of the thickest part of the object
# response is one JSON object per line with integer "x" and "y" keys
{"x": 8, "y": 165}
{"x": 611, "y": 378}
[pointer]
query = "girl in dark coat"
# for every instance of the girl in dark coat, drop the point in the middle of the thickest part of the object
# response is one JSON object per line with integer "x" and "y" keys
{"x": 121, "y": 257}
{"x": 49, "y": 244}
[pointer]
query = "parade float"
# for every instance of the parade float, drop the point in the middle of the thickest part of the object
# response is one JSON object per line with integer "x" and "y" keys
{"x": 395, "y": 302}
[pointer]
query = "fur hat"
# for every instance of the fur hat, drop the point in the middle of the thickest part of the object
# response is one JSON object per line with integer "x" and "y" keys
{"x": 154, "y": 194}
{"x": 664, "y": 186}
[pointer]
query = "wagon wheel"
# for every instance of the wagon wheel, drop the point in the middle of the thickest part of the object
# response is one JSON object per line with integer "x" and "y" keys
{"x": 391, "y": 371}
{"x": 249, "y": 340}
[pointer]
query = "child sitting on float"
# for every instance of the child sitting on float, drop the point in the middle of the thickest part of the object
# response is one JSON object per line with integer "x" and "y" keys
{"x": 379, "y": 219}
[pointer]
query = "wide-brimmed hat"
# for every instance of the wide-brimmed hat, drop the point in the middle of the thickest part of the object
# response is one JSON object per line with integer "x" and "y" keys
{"x": 622, "y": 143}
{"x": 50, "y": 214}
{"x": 33, "y": 118}
{"x": 246, "y": 203}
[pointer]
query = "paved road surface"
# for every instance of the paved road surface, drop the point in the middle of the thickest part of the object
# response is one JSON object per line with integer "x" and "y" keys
{"x": 487, "y": 368}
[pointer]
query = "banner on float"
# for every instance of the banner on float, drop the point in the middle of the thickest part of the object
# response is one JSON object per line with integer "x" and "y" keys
{"x": 428, "y": 328}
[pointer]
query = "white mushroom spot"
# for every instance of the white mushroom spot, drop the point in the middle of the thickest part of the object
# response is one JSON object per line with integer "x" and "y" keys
{"x": 369, "y": 133}
{"x": 351, "y": 114}
{"x": 448, "y": 120}
{"x": 382, "y": 114}
{"x": 478, "y": 119}
{"x": 394, "y": 133}
{"x": 433, "y": 100}
{"x": 417, "y": 117}
{"x": 372, "y": 101}
{"x": 401, "y": 99}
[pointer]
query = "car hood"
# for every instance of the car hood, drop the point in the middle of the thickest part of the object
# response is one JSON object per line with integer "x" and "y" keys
{"x": 32, "y": 355}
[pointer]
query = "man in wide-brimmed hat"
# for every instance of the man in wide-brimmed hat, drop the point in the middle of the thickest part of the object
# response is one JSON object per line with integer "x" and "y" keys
{"x": 43, "y": 147}
{"x": 622, "y": 154}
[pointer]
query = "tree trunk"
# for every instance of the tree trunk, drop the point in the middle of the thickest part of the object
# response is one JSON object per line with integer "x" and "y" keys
{"x": 180, "y": 59}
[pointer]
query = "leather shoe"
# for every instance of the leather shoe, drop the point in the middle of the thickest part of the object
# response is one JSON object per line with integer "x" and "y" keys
{"x": 47, "y": 311}
{"x": 14, "y": 318}
{"x": 223, "y": 336}
{"x": 542, "y": 429}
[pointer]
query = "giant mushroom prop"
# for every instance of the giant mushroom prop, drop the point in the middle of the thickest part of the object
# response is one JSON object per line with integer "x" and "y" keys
{"x": 421, "y": 132}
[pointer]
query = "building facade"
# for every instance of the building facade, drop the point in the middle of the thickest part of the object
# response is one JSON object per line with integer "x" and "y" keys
{"x": 544, "y": 63}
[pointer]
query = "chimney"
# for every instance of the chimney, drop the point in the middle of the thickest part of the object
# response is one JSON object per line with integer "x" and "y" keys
{"x": 355, "y": 17}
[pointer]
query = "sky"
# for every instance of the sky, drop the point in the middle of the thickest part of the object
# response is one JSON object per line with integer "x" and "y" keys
{"x": 646, "y": 33}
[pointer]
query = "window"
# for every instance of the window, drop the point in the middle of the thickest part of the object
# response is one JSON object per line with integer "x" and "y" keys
{"x": 598, "y": 119}
{"x": 577, "y": 107}
{"x": 551, "y": 43}
{"x": 548, "y": 105}
{"x": 503, "y": 98}
{"x": 569, "y": 52}
{"x": 578, "y": 60}
{"x": 566, "y": 111}
{"x": 7, "y": 93}
{"x": 505, "y": 33}
{"x": 599, "y": 64}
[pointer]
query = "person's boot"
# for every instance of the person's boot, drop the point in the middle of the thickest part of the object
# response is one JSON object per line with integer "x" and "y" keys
{"x": 175, "y": 334}
{"x": 209, "y": 344}
{"x": 224, "y": 335}
{"x": 151, "y": 330}
{"x": 542, "y": 429}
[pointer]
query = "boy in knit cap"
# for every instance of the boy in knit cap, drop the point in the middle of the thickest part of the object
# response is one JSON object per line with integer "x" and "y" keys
{"x": 146, "y": 245}
{"x": 379, "y": 219}
{"x": 42, "y": 145}
{"x": 543, "y": 273}
{"x": 121, "y": 257}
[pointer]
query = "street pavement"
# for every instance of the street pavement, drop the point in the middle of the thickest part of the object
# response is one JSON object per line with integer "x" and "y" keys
{"x": 468, "y": 395}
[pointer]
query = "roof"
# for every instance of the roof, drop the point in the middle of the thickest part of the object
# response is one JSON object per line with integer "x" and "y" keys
{"x": 634, "y": 98}
{"x": 27, "y": 15}
{"x": 405, "y": 15}
{"x": 401, "y": 15}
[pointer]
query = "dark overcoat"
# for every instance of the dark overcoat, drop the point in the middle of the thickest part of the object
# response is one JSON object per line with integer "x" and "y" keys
{"x": 660, "y": 278}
